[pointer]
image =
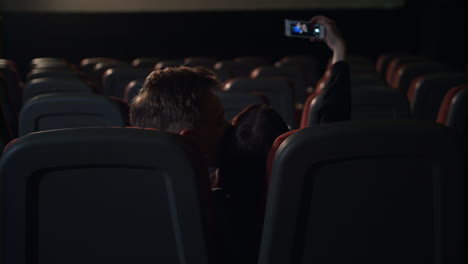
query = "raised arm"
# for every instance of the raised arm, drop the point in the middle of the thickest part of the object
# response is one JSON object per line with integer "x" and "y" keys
{"x": 336, "y": 96}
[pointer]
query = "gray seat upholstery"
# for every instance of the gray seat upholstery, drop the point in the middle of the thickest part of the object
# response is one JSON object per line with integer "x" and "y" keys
{"x": 114, "y": 195}
{"x": 55, "y": 111}
{"x": 235, "y": 102}
{"x": 429, "y": 91}
{"x": 278, "y": 91}
{"x": 365, "y": 191}
{"x": 54, "y": 85}
{"x": 368, "y": 103}
{"x": 146, "y": 62}
{"x": 295, "y": 76}
{"x": 132, "y": 90}
{"x": 115, "y": 80}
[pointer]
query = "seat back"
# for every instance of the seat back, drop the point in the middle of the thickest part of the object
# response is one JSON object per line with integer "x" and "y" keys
{"x": 454, "y": 107}
{"x": 228, "y": 69}
{"x": 368, "y": 103}
{"x": 361, "y": 191}
{"x": 145, "y": 62}
{"x": 87, "y": 64}
{"x": 168, "y": 63}
{"x": 308, "y": 65}
{"x": 406, "y": 73}
{"x": 54, "y": 85}
{"x": 278, "y": 91}
{"x": 115, "y": 80}
{"x": 132, "y": 89}
{"x": 426, "y": 95}
{"x": 295, "y": 76}
{"x": 206, "y": 62}
{"x": 235, "y": 102}
{"x": 50, "y": 73}
{"x": 54, "y": 111}
{"x": 95, "y": 195}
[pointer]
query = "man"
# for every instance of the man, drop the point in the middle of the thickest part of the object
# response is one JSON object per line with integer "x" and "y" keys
{"x": 183, "y": 100}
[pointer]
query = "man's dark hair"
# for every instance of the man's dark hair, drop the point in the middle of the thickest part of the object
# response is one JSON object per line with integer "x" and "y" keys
{"x": 170, "y": 99}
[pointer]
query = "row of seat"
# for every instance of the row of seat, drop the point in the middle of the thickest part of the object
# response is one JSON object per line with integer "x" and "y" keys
{"x": 357, "y": 191}
{"x": 372, "y": 98}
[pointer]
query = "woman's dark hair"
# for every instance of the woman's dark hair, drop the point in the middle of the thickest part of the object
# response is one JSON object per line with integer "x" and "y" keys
{"x": 242, "y": 173}
{"x": 255, "y": 130}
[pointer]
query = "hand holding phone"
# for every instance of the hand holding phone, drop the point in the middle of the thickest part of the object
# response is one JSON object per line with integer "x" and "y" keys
{"x": 304, "y": 29}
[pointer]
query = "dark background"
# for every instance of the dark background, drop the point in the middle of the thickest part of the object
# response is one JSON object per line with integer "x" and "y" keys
{"x": 431, "y": 28}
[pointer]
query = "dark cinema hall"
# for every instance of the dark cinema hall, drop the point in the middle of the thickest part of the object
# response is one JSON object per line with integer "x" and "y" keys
{"x": 233, "y": 131}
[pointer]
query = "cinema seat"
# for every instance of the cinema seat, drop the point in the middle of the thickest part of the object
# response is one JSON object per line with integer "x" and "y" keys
{"x": 427, "y": 92}
{"x": 365, "y": 192}
{"x": 54, "y": 111}
{"x": 228, "y": 69}
{"x": 87, "y": 64}
{"x": 132, "y": 90}
{"x": 278, "y": 91}
{"x": 145, "y": 62}
{"x": 235, "y": 102}
{"x": 368, "y": 103}
{"x": 255, "y": 61}
{"x": 168, "y": 63}
{"x": 406, "y": 73}
{"x": 105, "y": 195}
{"x": 54, "y": 85}
{"x": 308, "y": 65}
{"x": 101, "y": 67}
{"x": 384, "y": 59}
{"x": 51, "y": 73}
{"x": 295, "y": 76}
{"x": 453, "y": 111}
{"x": 58, "y": 61}
{"x": 205, "y": 62}
{"x": 115, "y": 80}
{"x": 401, "y": 60}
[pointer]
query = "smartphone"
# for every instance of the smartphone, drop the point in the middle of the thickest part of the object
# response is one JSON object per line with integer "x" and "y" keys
{"x": 303, "y": 29}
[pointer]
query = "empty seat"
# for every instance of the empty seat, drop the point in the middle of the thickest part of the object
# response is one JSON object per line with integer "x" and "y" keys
{"x": 255, "y": 61}
{"x": 228, "y": 69}
{"x": 54, "y": 85}
{"x": 368, "y": 103}
{"x": 168, "y": 63}
{"x": 88, "y": 64}
{"x": 365, "y": 191}
{"x": 278, "y": 91}
{"x": 94, "y": 195}
{"x": 50, "y": 64}
{"x": 295, "y": 76}
{"x": 132, "y": 89}
{"x": 145, "y": 62}
{"x": 115, "y": 80}
{"x": 384, "y": 59}
{"x": 58, "y": 61}
{"x": 51, "y": 73}
{"x": 454, "y": 107}
{"x": 398, "y": 61}
{"x": 406, "y": 73}
{"x": 54, "y": 111}
{"x": 206, "y": 62}
{"x": 427, "y": 92}
{"x": 309, "y": 65}
{"x": 235, "y": 102}
{"x": 101, "y": 67}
